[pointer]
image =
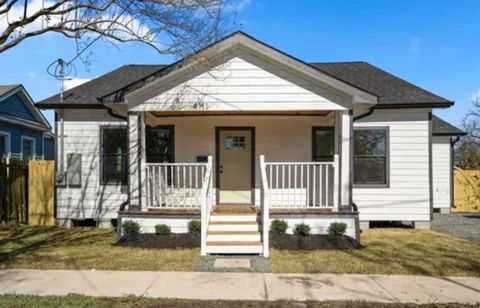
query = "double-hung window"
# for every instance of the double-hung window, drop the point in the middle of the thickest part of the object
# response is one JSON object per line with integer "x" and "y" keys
{"x": 28, "y": 148}
{"x": 114, "y": 155}
{"x": 370, "y": 159}
{"x": 323, "y": 143}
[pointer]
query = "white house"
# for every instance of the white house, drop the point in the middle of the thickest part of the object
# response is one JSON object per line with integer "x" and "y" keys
{"x": 243, "y": 128}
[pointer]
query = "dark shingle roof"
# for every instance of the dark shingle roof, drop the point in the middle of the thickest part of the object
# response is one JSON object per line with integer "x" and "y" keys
{"x": 389, "y": 89}
{"x": 443, "y": 128}
{"x": 5, "y": 88}
{"x": 89, "y": 92}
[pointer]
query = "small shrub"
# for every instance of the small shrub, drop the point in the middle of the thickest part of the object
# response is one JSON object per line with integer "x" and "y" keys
{"x": 279, "y": 226}
{"x": 338, "y": 228}
{"x": 131, "y": 228}
{"x": 162, "y": 229}
{"x": 194, "y": 226}
{"x": 302, "y": 229}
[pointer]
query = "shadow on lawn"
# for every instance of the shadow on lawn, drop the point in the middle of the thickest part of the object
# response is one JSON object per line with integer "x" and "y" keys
{"x": 27, "y": 241}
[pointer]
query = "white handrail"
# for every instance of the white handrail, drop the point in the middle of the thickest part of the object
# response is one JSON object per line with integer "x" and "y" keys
{"x": 265, "y": 207}
{"x": 207, "y": 204}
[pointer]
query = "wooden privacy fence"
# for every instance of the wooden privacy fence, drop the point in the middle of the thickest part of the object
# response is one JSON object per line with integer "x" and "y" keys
{"x": 467, "y": 191}
{"x": 41, "y": 188}
{"x": 27, "y": 192}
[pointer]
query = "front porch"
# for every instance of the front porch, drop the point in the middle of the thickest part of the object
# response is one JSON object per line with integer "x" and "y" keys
{"x": 241, "y": 122}
{"x": 291, "y": 170}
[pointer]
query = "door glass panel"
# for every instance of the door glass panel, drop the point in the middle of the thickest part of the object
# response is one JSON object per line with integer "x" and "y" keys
{"x": 235, "y": 142}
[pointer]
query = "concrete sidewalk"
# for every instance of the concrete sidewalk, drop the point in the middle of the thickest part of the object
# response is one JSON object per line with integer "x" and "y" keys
{"x": 244, "y": 286}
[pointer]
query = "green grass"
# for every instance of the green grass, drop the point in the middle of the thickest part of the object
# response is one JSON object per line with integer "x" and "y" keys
{"x": 74, "y": 300}
{"x": 389, "y": 251}
{"x": 85, "y": 248}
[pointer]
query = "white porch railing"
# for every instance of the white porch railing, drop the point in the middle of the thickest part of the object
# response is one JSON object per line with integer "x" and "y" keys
{"x": 307, "y": 185}
{"x": 180, "y": 186}
{"x": 175, "y": 185}
{"x": 301, "y": 184}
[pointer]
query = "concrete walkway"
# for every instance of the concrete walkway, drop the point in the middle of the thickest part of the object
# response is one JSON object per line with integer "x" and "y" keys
{"x": 244, "y": 286}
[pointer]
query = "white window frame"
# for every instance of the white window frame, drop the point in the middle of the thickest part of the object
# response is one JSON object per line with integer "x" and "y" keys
{"x": 34, "y": 147}
{"x": 8, "y": 142}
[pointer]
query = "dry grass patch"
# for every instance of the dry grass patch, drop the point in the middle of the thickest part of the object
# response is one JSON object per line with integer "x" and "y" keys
{"x": 389, "y": 251}
{"x": 85, "y": 248}
{"x": 74, "y": 300}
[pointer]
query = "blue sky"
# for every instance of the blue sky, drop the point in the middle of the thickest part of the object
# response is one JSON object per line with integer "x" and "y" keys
{"x": 434, "y": 44}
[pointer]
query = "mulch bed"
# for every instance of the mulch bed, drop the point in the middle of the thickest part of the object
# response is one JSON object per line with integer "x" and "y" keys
{"x": 313, "y": 242}
{"x": 172, "y": 241}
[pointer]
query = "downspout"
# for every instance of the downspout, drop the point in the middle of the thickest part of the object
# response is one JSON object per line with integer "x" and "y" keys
{"x": 111, "y": 113}
{"x": 60, "y": 177}
{"x": 369, "y": 112}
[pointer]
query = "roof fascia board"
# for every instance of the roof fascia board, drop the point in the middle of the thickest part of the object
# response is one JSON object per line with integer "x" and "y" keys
{"x": 71, "y": 106}
{"x": 23, "y": 122}
{"x": 450, "y": 134}
{"x": 415, "y": 105}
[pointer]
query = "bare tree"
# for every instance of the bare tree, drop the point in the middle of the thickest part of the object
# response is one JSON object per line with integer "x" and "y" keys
{"x": 176, "y": 27}
{"x": 467, "y": 151}
{"x": 472, "y": 121}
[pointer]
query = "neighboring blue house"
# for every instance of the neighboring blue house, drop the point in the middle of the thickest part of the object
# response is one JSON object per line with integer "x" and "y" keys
{"x": 24, "y": 131}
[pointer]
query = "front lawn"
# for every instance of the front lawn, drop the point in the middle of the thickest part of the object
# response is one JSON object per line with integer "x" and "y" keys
{"x": 85, "y": 248}
{"x": 389, "y": 251}
{"x": 132, "y": 301}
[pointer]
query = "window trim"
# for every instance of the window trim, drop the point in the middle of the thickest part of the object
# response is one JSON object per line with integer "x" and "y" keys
{"x": 387, "y": 157}
{"x": 112, "y": 182}
{"x": 314, "y": 140}
{"x": 8, "y": 143}
{"x": 34, "y": 147}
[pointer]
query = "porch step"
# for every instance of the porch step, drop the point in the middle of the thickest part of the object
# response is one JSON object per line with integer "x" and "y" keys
{"x": 234, "y": 231}
{"x": 233, "y": 226}
{"x": 230, "y": 218}
{"x": 232, "y": 236}
{"x": 234, "y": 247}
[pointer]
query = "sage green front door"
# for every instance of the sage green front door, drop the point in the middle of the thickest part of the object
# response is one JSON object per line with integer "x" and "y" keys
{"x": 235, "y": 166}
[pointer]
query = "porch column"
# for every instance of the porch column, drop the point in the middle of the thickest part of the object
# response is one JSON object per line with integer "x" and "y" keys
{"x": 134, "y": 161}
{"x": 346, "y": 159}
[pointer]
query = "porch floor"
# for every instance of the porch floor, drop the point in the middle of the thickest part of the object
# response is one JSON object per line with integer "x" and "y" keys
{"x": 235, "y": 209}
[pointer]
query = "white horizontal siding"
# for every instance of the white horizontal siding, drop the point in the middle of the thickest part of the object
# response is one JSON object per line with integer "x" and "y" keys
{"x": 441, "y": 171}
{"x": 408, "y": 195}
{"x": 91, "y": 199}
{"x": 240, "y": 85}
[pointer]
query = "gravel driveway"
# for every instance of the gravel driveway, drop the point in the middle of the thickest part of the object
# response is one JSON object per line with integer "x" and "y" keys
{"x": 466, "y": 226}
